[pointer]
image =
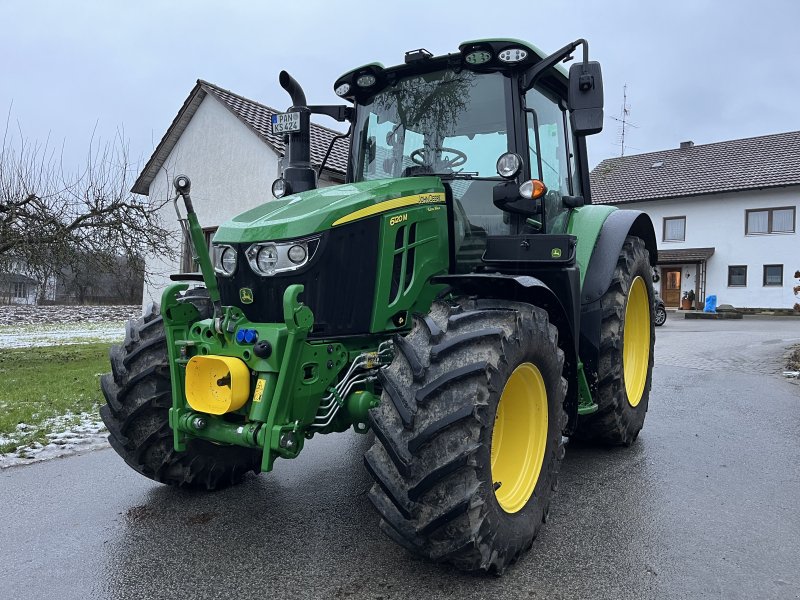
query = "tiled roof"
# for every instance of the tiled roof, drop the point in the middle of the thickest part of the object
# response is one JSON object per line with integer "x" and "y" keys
{"x": 257, "y": 117}
{"x": 685, "y": 255}
{"x": 751, "y": 163}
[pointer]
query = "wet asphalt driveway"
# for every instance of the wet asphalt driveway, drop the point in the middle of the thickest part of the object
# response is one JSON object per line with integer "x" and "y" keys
{"x": 705, "y": 504}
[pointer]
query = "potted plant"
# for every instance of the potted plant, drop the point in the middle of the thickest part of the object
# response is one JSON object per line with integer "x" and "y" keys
{"x": 686, "y": 304}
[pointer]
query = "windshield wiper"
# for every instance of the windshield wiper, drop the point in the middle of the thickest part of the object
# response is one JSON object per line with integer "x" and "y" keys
{"x": 450, "y": 176}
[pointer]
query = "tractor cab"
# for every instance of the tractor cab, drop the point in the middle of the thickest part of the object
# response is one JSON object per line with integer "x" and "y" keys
{"x": 493, "y": 122}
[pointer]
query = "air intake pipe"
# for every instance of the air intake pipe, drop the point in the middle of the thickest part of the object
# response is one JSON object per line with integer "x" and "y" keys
{"x": 298, "y": 173}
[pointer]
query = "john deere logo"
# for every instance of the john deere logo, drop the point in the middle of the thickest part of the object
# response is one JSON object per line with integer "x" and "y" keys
{"x": 429, "y": 198}
{"x": 555, "y": 253}
{"x": 246, "y": 295}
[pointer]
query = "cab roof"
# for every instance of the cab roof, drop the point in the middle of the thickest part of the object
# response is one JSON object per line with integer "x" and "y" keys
{"x": 485, "y": 55}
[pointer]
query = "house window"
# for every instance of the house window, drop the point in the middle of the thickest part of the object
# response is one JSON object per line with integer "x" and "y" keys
{"x": 770, "y": 220}
{"x": 737, "y": 276}
{"x": 188, "y": 263}
{"x": 773, "y": 275}
{"x": 20, "y": 290}
{"x": 674, "y": 229}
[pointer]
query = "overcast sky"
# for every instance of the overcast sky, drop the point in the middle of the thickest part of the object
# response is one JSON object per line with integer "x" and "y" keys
{"x": 695, "y": 70}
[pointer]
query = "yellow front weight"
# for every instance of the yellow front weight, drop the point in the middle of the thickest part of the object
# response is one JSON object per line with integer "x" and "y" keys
{"x": 217, "y": 384}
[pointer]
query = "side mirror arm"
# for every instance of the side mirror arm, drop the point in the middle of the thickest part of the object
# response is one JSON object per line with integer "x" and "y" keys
{"x": 340, "y": 112}
{"x": 531, "y": 75}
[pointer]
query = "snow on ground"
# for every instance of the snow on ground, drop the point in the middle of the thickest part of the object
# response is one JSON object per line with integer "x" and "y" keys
{"x": 24, "y": 326}
{"x": 54, "y": 334}
{"x": 69, "y": 434}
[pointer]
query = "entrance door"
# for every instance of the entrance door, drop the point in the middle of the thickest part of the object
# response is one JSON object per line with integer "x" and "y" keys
{"x": 671, "y": 286}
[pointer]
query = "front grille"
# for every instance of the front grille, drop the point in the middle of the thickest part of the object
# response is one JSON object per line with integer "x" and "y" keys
{"x": 339, "y": 283}
{"x": 403, "y": 263}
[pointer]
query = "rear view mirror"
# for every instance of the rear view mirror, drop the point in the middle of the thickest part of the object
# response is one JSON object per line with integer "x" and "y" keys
{"x": 586, "y": 98}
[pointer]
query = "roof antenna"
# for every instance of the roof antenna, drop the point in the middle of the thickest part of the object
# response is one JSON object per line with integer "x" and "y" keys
{"x": 623, "y": 120}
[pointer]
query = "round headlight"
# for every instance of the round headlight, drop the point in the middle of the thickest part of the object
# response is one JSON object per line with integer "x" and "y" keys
{"x": 365, "y": 80}
{"x": 508, "y": 165}
{"x": 342, "y": 89}
{"x": 228, "y": 260}
{"x": 280, "y": 187}
{"x": 513, "y": 55}
{"x": 297, "y": 254}
{"x": 267, "y": 258}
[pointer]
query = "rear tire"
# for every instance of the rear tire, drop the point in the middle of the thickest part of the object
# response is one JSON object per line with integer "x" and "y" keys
{"x": 624, "y": 379}
{"x": 139, "y": 395}
{"x": 432, "y": 460}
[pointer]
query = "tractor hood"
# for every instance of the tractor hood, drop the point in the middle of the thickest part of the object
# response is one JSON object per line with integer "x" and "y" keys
{"x": 316, "y": 210}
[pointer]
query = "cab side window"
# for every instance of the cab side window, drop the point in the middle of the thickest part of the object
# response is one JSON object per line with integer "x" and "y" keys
{"x": 550, "y": 154}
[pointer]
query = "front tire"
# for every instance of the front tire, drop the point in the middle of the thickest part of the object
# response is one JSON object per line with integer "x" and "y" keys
{"x": 627, "y": 339}
{"x": 468, "y": 433}
{"x": 139, "y": 395}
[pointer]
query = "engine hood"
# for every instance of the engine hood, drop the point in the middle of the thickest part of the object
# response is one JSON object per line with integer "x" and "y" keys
{"x": 317, "y": 210}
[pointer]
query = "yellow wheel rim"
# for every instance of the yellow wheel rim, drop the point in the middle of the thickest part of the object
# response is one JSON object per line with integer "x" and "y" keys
{"x": 519, "y": 437}
{"x": 636, "y": 342}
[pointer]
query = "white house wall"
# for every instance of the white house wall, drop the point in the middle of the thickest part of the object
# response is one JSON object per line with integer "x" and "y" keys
{"x": 718, "y": 221}
{"x": 231, "y": 169}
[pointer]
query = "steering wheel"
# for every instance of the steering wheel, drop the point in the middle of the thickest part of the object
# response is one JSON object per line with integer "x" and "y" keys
{"x": 418, "y": 157}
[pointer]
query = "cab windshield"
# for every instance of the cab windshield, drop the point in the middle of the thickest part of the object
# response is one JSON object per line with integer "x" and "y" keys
{"x": 447, "y": 123}
{"x": 440, "y": 122}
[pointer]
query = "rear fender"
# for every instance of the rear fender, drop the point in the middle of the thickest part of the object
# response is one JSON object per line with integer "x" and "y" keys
{"x": 618, "y": 225}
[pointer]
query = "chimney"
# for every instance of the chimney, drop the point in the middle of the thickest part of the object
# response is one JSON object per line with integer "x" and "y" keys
{"x": 685, "y": 145}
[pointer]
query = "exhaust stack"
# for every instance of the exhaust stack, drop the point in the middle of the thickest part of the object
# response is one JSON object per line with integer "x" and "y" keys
{"x": 298, "y": 174}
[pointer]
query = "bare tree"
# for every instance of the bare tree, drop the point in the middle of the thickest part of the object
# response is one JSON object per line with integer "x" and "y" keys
{"x": 51, "y": 217}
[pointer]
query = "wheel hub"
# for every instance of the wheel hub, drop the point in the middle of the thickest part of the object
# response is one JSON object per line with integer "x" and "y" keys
{"x": 636, "y": 341}
{"x": 519, "y": 437}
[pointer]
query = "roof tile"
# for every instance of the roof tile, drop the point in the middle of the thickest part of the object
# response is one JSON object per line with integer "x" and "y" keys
{"x": 750, "y": 163}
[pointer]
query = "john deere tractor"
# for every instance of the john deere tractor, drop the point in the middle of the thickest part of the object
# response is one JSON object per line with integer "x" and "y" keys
{"x": 459, "y": 297}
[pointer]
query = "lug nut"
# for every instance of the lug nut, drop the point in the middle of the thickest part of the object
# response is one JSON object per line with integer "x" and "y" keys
{"x": 199, "y": 423}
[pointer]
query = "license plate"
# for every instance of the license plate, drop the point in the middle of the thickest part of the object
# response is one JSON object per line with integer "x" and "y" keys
{"x": 286, "y": 122}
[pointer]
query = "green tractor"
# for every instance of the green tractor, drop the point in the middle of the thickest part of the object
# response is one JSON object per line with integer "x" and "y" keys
{"x": 460, "y": 297}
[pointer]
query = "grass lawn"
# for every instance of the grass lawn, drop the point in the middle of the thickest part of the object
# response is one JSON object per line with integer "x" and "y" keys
{"x": 40, "y": 384}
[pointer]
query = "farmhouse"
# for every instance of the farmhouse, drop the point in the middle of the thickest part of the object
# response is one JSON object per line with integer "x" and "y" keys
{"x": 224, "y": 143}
{"x": 725, "y": 216}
